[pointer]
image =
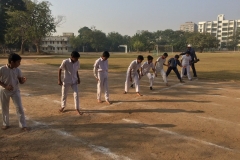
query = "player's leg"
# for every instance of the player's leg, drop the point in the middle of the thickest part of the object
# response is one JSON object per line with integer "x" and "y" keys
{"x": 164, "y": 76}
{"x": 106, "y": 90}
{"x": 65, "y": 88}
{"x": 100, "y": 86}
{"x": 19, "y": 108}
{"x": 177, "y": 73}
{"x": 76, "y": 98}
{"x": 150, "y": 78}
{"x": 188, "y": 72}
{"x": 169, "y": 71}
{"x": 127, "y": 83}
{"x": 136, "y": 81}
{"x": 4, "y": 102}
{"x": 182, "y": 72}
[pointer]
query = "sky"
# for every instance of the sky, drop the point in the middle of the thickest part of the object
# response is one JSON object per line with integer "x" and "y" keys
{"x": 128, "y": 16}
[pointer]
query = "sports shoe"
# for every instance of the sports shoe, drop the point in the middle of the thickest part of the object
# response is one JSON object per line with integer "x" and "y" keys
{"x": 151, "y": 88}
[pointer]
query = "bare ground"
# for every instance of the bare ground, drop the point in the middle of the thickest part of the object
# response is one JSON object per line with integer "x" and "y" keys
{"x": 195, "y": 120}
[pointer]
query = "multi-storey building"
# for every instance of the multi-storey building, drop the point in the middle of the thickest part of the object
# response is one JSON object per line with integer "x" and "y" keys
{"x": 189, "y": 27}
{"x": 57, "y": 44}
{"x": 222, "y": 29}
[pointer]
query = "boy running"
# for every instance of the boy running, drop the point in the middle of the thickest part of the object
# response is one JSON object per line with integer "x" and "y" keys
{"x": 100, "y": 71}
{"x": 145, "y": 70}
{"x": 10, "y": 77}
{"x": 173, "y": 62}
{"x": 71, "y": 79}
{"x": 133, "y": 74}
{"x": 186, "y": 62}
{"x": 160, "y": 62}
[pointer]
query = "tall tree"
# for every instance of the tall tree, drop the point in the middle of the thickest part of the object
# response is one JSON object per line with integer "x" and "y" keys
{"x": 43, "y": 23}
{"x": 202, "y": 41}
{"x": 114, "y": 40}
{"x": 30, "y": 25}
{"x": 6, "y": 5}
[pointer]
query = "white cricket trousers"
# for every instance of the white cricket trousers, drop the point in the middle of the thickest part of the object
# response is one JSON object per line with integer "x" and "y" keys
{"x": 163, "y": 74}
{"x": 4, "y": 102}
{"x": 151, "y": 78}
{"x": 188, "y": 72}
{"x": 102, "y": 85}
{"x": 65, "y": 88}
{"x": 135, "y": 80}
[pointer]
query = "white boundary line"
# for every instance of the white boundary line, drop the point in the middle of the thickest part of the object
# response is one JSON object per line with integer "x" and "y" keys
{"x": 176, "y": 85}
{"x": 181, "y": 136}
{"x": 100, "y": 149}
{"x": 218, "y": 120}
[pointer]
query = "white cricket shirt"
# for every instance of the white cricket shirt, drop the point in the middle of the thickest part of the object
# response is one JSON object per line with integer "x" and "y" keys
{"x": 70, "y": 71}
{"x": 186, "y": 60}
{"x": 100, "y": 66}
{"x": 10, "y": 76}
{"x": 146, "y": 67}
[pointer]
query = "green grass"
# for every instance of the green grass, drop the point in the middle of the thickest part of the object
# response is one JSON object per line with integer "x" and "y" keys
{"x": 212, "y": 66}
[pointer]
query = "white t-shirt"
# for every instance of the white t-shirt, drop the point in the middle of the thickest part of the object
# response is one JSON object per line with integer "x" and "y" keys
{"x": 134, "y": 66}
{"x": 146, "y": 67}
{"x": 70, "y": 71}
{"x": 10, "y": 76}
{"x": 160, "y": 62}
{"x": 186, "y": 60}
{"x": 100, "y": 66}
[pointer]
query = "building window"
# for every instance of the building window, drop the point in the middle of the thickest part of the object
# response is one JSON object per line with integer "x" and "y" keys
{"x": 66, "y": 48}
{"x": 219, "y": 21}
{"x": 57, "y": 42}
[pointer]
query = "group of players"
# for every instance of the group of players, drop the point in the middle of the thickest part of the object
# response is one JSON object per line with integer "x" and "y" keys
{"x": 11, "y": 76}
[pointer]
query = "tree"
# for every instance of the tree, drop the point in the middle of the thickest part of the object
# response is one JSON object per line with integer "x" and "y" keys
{"x": 18, "y": 30}
{"x": 6, "y": 5}
{"x": 202, "y": 41}
{"x": 137, "y": 45}
{"x": 42, "y": 21}
{"x": 32, "y": 24}
{"x": 114, "y": 40}
{"x": 234, "y": 40}
{"x": 98, "y": 40}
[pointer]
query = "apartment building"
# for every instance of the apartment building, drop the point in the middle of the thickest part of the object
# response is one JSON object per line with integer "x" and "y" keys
{"x": 57, "y": 44}
{"x": 222, "y": 29}
{"x": 189, "y": 27}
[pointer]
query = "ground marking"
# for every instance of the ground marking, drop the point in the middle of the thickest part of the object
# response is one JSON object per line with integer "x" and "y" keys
{"x": 218, "y": 120}
{"x": 176, "y": 85}
{"x": 180, "y": 135}
{"x": 100, "y": 149}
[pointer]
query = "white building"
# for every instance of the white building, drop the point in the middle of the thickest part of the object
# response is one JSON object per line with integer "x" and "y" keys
{"x": 189, "y": 27}
{"x": 57, "y": 44}
{"x": 221, "y": 29}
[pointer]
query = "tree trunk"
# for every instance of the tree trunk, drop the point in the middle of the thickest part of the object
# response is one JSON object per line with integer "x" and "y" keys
{"x": 38, "y": 48}
{"x": 21, "y": 50}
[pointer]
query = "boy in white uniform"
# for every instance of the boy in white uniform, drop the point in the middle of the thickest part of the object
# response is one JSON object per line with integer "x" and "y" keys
{"x": 71, "y": 79}
{"x": 133, "y": 74}
{"x": 160, "y": 62}
{"x": 186, "y": 61}
{"x": 10, "y": 76}
{"x": 145, "y": 70}
{"x": 100, "y": 71}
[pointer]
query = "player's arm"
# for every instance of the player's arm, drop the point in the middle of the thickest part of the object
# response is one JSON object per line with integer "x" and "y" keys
{"x": 178, "y": 62}
{"x": 59, "y": 77}
{"x": 22, "y": 80}
{"x": 95, "y": 70}
{"x": 2, "y": 84}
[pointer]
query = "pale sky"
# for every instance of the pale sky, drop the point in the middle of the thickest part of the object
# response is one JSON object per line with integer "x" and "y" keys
{"x": 128, "y": 16}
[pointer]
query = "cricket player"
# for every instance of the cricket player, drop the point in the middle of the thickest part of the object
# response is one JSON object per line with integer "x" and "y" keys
{"x": 160, "y": 62}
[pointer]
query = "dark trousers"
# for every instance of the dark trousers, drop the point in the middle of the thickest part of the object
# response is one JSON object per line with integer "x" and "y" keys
{"x": 193, "y": 69}
{"x": 175, "y": 70}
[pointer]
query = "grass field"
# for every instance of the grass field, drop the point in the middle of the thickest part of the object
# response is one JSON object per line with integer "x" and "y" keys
{"x": 212, "y": 66}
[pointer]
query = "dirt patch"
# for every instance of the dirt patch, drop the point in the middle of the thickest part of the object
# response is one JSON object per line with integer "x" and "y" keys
{"x": 195, "y": 120}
